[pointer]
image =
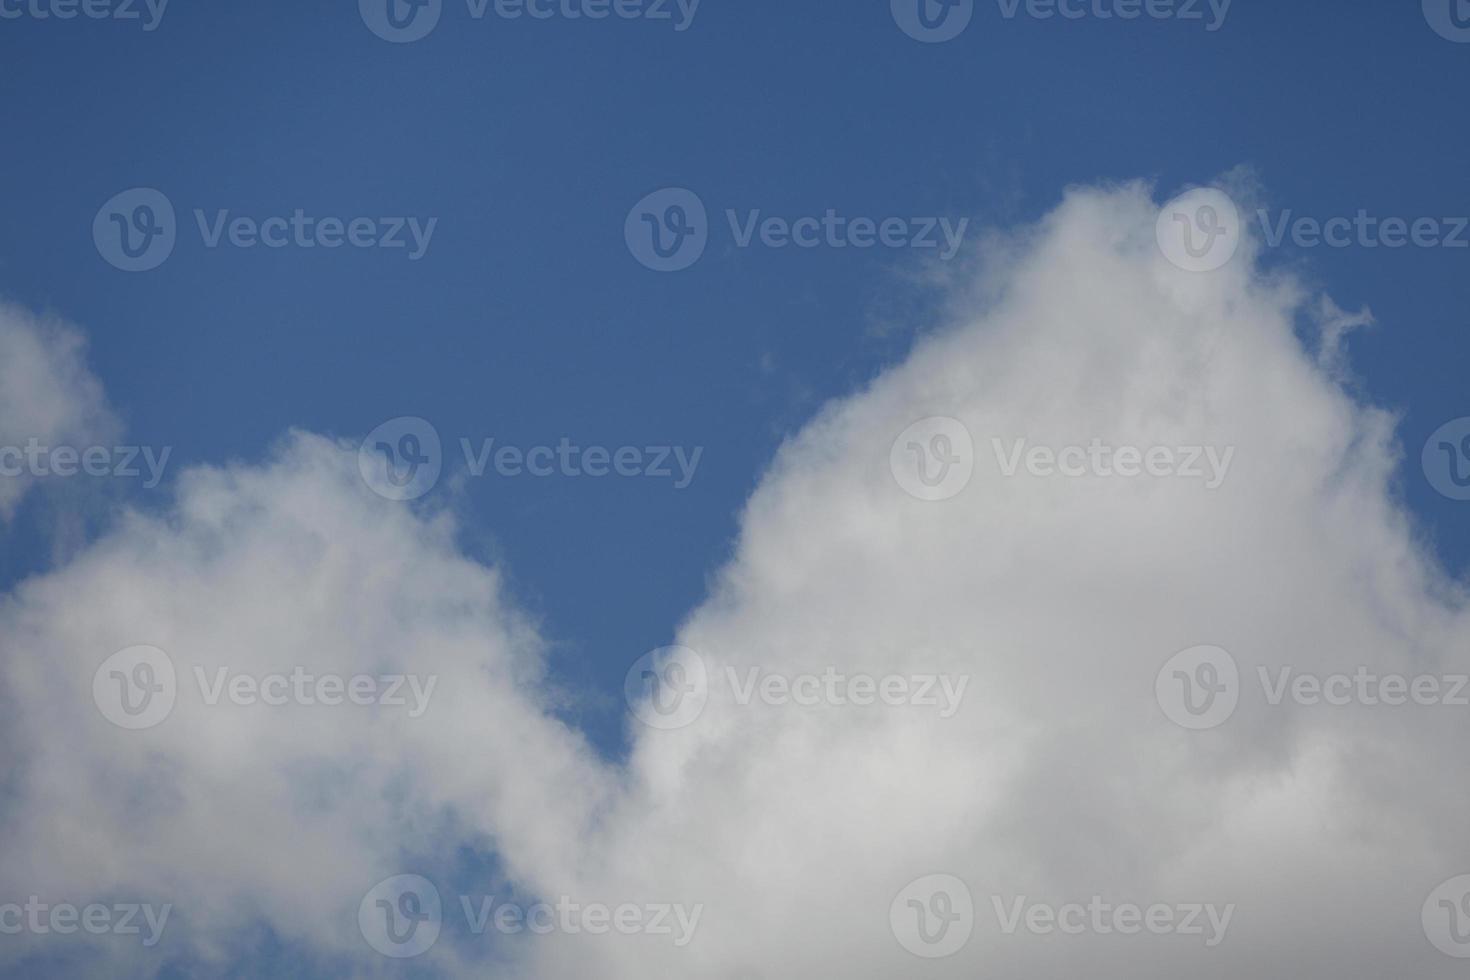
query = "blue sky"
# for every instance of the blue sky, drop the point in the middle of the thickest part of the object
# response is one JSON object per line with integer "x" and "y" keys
{"x": 528, "y": 320}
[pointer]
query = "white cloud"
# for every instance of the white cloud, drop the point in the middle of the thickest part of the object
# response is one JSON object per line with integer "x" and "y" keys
{"x": 47, "y": 394}
{"x": 1059, "y": 778}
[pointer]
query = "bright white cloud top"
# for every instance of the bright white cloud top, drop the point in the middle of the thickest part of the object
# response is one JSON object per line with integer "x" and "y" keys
{"x": 1086, "y": 804}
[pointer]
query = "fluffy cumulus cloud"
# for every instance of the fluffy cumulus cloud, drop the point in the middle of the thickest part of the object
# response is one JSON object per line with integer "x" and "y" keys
{"x": 1034, "y": 743}
{"x": 47, "y": 395}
